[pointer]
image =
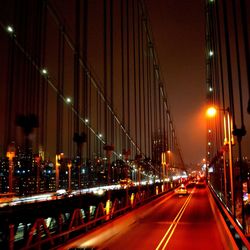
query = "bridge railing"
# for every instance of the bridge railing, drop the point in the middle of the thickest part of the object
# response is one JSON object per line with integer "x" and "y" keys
{"x": 238, "y": 236}
{"x": 71, "y": 222}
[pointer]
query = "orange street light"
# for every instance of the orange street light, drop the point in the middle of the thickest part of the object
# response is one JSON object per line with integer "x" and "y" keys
{"x": 211, "y": 111}
{"x": 228, "y": 140}
{"x": 69, "y": 176}
{"x": 163, "y": 162}
{"x": 58, "y": 164}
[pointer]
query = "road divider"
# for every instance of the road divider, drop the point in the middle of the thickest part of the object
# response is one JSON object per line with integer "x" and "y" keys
{"x": 166, "y": 238}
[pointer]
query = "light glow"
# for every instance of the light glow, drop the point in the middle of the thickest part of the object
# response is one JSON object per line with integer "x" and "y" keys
{"x": 44, "y": 71}
{"x": 10, "y": 29}
{"x": 211, "y": 53}
{"x": 211, "y": 112}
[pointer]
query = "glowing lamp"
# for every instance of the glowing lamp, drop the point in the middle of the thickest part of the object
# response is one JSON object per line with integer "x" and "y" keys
{"x": 211, "y": 112}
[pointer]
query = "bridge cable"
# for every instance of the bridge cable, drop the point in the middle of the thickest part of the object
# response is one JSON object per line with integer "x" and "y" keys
{"x": 124, "y": 144}
{"x": 242, "y": 131}
{"x": 128, "y": 71}
{"x": 134, "y": 73}
{"x": 229, "y": 68}
{"x": 139, "y": 72}
{"x": 246, "y": 46}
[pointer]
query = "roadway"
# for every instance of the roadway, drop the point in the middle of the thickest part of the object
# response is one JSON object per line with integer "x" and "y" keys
{"x": 171, "y": 222}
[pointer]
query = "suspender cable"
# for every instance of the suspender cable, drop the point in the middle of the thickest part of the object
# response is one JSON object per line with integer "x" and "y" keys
{"x": 246, "y": 46}
{"x": 128, "y": 70}
{"x": 134, "y": 69}
{"x": 144, "y": 86}
{"x": 112, "y": 132}
{"x": 229, "y": 68}
{"x": 220, "y": 56}
{"x": 86, "y": 96}
{"x": 215, "y": 76}
{"x": 122, "y": 70}
{"x": 242, "y": 131}
{"x": 76, "y": 64}
{"x": 43, "y": 84}
{"x": 155, "y": 106}
{"x": 105, "y": 63}
{"x": 60, "y": 88}
{"x": 139, "y": 73}
{"x": 37, "y": 77}
{"x": 160, "y": 86}
{"x": 149, "y": 106}
{"x": 9, "y": 92}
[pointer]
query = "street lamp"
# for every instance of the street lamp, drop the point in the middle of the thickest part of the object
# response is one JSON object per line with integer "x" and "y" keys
{"x": 163, "y": 162}
{"x": 109, "y": 149}
{"x": 169, "y": 164}
{"x": 228, "y": 141}
{"x": 37, "y": 159}
{"x": 58, "y": 164}
{"x": 11, "y": 153}
{"x": 69, "y": 177}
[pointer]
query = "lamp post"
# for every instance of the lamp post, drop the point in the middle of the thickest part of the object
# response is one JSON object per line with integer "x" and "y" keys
{"x": 228, "y": 139}
{"x": 38, "y": 166}
{"x": 58, "y": 158}
{"x": 138, "y": 158}
{"x": 69, "y": 177}
{"x": 126, "y": 154}
{"x": 169, "y": 163}
{"x": 163, "y": 162}
{"x": 11, "y": 154}
{"x": 109, "y": 149}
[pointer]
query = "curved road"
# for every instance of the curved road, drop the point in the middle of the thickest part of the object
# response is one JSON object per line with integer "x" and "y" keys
{"x": 172, "y": 222}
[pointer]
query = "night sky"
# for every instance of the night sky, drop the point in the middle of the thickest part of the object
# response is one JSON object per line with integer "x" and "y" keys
{"x": 178, "y": 29}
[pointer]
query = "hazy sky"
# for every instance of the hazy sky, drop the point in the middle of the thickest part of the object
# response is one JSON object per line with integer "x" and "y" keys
{"x": 178, "y": 29}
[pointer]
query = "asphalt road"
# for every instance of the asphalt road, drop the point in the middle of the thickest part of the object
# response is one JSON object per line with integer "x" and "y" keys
{"x": 174, "y": 222}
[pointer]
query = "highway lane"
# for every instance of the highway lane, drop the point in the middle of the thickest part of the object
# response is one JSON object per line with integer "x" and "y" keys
{"x": 174, "y": 222}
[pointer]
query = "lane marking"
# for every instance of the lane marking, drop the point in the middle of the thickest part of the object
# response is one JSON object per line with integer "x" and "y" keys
{"x": 174, "y": 223}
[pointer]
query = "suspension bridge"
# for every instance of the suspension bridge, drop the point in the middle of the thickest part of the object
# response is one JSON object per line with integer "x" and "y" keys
{"x": 87, "y": 136}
